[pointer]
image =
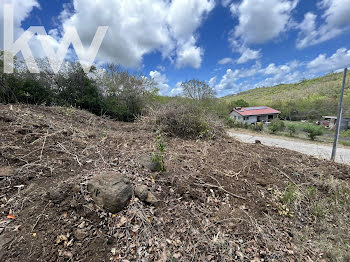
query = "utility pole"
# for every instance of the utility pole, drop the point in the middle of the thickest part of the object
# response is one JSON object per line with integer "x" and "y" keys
{"x": 339, "y": 118}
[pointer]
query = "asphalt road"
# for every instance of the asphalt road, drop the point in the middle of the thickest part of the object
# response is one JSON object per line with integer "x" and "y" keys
{"x": 316, "y": 149}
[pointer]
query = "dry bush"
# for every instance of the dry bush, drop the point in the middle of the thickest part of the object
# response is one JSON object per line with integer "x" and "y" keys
{"x": 185, "y": 120}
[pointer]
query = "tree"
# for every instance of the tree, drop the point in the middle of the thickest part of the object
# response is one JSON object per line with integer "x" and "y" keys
{"x": 126, "y": 94}
{"x": 292, "y": 129}
{"x": 239, "y": 103}
{"x": 197, "y": 90}
{"x": 313, "y": 131}
{"x": 276, "y": 126}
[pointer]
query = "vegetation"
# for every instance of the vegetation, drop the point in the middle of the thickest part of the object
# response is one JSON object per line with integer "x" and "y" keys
{"x": 159, "y": 152}
{"x": 276, "y": 126}
{"x": 325, "y": 199}
{"x": 346, "y": 133}
{"x": 114, "y": 92}
{"x": 313, "y": 131}
{"x": 239, "y": 103}
{"x": 187, "y": 120}
{"x": 292, "y": 129}
{"x": 197, "y": 90}
{"x": 308, "y": 99}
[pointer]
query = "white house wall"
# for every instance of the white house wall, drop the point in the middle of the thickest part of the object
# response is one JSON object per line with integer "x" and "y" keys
{"x": 252, "y": 120}
{"x": 249, "y": 119}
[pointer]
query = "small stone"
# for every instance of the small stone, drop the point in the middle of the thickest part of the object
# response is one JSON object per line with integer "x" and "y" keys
{"x": 147, "y": 162}
{"x": 141, "y": 192}
{"x": 151, "y": 199}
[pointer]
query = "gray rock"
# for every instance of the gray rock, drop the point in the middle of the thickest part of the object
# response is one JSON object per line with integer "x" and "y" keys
{"x": 141, "y": 192}
{"x": 111, "y": 191}
{"x": 146, "y": 162}
{"x": 151, "y": 199}
{"x": 145, "y": 195}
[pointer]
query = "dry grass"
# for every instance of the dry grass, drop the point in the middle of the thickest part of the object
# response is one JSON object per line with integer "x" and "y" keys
{"x": 185, "y": 121}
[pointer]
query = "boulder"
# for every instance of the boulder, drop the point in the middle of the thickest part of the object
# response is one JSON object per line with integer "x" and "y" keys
{"x": 111, "y": 191}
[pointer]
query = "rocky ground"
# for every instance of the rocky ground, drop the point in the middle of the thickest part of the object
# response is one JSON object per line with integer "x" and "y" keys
{"x": 219, "y": 200}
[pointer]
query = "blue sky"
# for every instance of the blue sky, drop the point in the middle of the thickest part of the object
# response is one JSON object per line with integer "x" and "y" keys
{"x": 233, "y": 45}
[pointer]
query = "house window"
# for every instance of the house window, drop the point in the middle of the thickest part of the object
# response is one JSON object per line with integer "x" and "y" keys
{"x": 246, "y": 118}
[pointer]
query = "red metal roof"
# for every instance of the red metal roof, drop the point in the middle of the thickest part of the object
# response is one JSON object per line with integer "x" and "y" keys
{"x": 259, "y": 110}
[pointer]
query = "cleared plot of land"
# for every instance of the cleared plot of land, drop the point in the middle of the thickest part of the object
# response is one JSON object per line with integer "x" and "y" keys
{"x": 315, "y": 149}
{"x": 219, "y": 200}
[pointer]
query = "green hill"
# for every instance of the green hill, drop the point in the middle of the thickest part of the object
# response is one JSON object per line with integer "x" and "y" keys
{"x": 308, "y": 99}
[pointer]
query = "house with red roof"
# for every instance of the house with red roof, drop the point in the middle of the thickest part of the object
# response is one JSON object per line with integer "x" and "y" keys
{"x": 253, "y": 115}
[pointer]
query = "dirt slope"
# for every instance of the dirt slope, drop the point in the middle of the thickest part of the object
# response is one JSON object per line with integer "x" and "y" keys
{"x": 220, "y": 200}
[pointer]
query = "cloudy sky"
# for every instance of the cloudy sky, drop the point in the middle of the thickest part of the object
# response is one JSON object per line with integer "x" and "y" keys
{"x": 233, "y": 45}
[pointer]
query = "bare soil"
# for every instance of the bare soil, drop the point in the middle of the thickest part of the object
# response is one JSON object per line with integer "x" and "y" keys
{"x": 217, "y": 201}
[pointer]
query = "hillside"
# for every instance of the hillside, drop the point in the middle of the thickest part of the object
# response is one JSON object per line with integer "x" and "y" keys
{"x": 219, "y": 200}
{"x": 308, "y": 99}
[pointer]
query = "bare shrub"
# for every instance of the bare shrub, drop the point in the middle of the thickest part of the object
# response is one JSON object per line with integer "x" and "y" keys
{"x": 185, "y": 120}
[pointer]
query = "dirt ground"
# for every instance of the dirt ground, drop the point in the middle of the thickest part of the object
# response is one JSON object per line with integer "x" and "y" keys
{"x": 312, "y": 148}
{"x": 219, "y": 200}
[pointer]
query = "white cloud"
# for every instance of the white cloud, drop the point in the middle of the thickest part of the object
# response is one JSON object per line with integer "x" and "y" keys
{"x": 272, "y": 75}
{"x": 340, "y": 59}
{"x": 272, "y": 69}
{"x": 286, "y": 73}
{"x": 141, "y": 27}
{"x": 336, "y": 21}
{"x": 248, "y": 54}
{"x": 228, "y": 80}
{"x": 280, "y": 78}
{"x": 177, "y": 90}
{"x": 337, "y": 12}
{"x": 226, "y": 60}
{"x": 189, "y": 55}
{"x": 261, "y": 20}
{"x": 212, "y": 81}
{"x": 161, "y": 81}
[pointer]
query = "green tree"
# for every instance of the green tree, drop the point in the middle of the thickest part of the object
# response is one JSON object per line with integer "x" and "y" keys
{"x": 313, "y": 131}
{"x": 239, "y": 103}
{"x": 291, "y": 129}
{"x": 276, "y": 126}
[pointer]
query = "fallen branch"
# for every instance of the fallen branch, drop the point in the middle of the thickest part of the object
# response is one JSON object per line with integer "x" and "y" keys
{"x": 221, "y": 188}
